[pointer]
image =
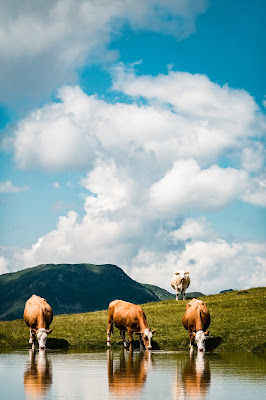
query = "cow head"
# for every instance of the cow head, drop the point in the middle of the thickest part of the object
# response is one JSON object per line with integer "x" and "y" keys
{"x": 181, "y": 273}
{"x": 200, "y": 338}
{"x": 42, "y": 336}
{"x": 146, "y": 337}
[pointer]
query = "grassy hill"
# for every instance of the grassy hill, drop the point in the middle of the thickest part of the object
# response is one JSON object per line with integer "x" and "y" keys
{"x": 238, "y": 322}
{"x": 69, "y": 288}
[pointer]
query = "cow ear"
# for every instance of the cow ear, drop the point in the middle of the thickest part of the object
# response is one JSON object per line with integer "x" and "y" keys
{"x": 48, "y": 331}
{"x": 153, "y": 331}
{"x": 192, "y": 334}
{"x": 177, "y": 273}
{"x": 187, "y": 272}
{"x": 33, "y": 330}
{"x": 207, "y": 333}
{"x": 138, "y": 333}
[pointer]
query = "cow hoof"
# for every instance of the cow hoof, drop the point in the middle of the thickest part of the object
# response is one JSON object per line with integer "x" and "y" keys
{"x": 30, "y": 341}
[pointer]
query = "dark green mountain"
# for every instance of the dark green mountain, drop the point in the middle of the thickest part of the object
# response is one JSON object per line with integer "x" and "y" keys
{"x": 69, "y": 288}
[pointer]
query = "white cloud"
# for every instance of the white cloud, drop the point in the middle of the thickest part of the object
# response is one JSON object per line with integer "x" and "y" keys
{"x": 9, "y": 187}
{"x": 3, "y": 265}
{"x": 149, "y": 165}
{"x": 253, "y": 157}
{"x": 185, "y": 186}
{"x": 213, "y": 266}
{"x": 81, "y": 127}
{"x": 119, "y": 227}
{"x": 42, "y": 44}
{"x": 191, "y": 94}
{"x": 113, "y": 188}
{"x": 192, "y": 228}
{"x": 256, "y": 191}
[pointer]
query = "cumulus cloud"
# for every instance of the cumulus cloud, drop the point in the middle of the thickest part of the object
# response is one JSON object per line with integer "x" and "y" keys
{"x": 149, "y": 164}
{"x": 190, "y": 94}
{"x": 186, "y": 187}
{"x": 71, "y": 134}
{"x": 121, "y": 229}
{"x": 253, "y": 157}
{"x": 3, "y": 265}
{"x": 192, "y": 229}
{"x": 213, "y": 265}
{"x": 9, "y": 187}
{"x": 42, "y": 44}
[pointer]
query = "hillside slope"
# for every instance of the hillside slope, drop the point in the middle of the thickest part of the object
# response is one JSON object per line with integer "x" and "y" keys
{"x": 238, "y": 323}
{"x": 69, "y": 288}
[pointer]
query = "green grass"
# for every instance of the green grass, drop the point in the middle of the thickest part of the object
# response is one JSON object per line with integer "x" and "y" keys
{"x": 238, "y": 322}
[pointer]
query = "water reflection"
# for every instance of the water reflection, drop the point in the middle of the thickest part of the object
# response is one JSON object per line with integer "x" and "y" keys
{"x": 38, "y": 375}
{"x": 128, "y": 375}
{"x": 195, "y": 378}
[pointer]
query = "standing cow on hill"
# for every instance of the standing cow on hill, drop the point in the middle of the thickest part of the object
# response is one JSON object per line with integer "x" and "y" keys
{"x": 180, "y": 282}
{"x": 38, "y": 315}
{"x": 196, "y": 320}
{"x": 129, "y": 317}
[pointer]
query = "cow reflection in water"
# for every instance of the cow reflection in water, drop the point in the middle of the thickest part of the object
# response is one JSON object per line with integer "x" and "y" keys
{"x": 195, "y": 379}
{"x": 37, "y": 376}
{"x": 128, "y": 376}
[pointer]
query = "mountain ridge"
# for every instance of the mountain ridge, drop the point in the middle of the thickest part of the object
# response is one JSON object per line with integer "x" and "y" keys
{"x": 69, "y": 288}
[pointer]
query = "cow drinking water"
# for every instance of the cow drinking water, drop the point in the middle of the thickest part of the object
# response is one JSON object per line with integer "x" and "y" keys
{"x": 38, "y": 316}
{"x": 196, "y": 320}
{"x": 131, "y": 318}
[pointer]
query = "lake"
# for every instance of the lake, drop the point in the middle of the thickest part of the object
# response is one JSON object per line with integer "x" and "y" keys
{"x": 123, "y": 375}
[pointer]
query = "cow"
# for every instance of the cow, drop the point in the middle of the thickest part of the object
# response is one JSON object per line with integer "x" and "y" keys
{"x": 38, "y": 376}
{"x": 196, "y": 320}
{"x": 131, "y": 318}
{"x": 38, "y": 316}
{"x": 180, "y": 282}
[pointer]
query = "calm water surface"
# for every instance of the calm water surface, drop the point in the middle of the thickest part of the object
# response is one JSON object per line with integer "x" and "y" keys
{"x": 123, "y": 375}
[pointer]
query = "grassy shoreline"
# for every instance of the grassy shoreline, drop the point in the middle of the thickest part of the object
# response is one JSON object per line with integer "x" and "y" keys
{"x": 238, "y": 323}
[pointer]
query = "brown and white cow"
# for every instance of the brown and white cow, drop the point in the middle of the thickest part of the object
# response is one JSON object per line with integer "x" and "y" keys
{"x": 196, "y": 320}
{"x": 131, "y": 318}
{"x": 180, "y": 282}
{"x": 38, "y": 316}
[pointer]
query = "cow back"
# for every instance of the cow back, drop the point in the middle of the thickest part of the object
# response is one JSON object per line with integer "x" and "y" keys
{"x": 37, "y": 310}
{"x": 197, "y": 316}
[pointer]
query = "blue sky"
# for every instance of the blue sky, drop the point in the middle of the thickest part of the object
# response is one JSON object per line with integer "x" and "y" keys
{"x": 133, "y": 133}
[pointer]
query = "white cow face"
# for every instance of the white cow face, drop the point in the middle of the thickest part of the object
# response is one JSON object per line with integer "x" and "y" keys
{"x": 146, "y": 337}
{"x": 181, "y": 273}
{"x": 200, "y": 340}
{"x": 42, "y": 337}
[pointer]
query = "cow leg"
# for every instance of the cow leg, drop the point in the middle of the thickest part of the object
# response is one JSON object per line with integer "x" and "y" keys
{"x": 130, "y": 336}
{"x": 177, "y": 294}
{"x": 191, "y": 337}
{"x": 32, "y": 339}
{"x": 183, "y": 294}
{"x": 109, "y": 332}
{"x": 122, "y": 334}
